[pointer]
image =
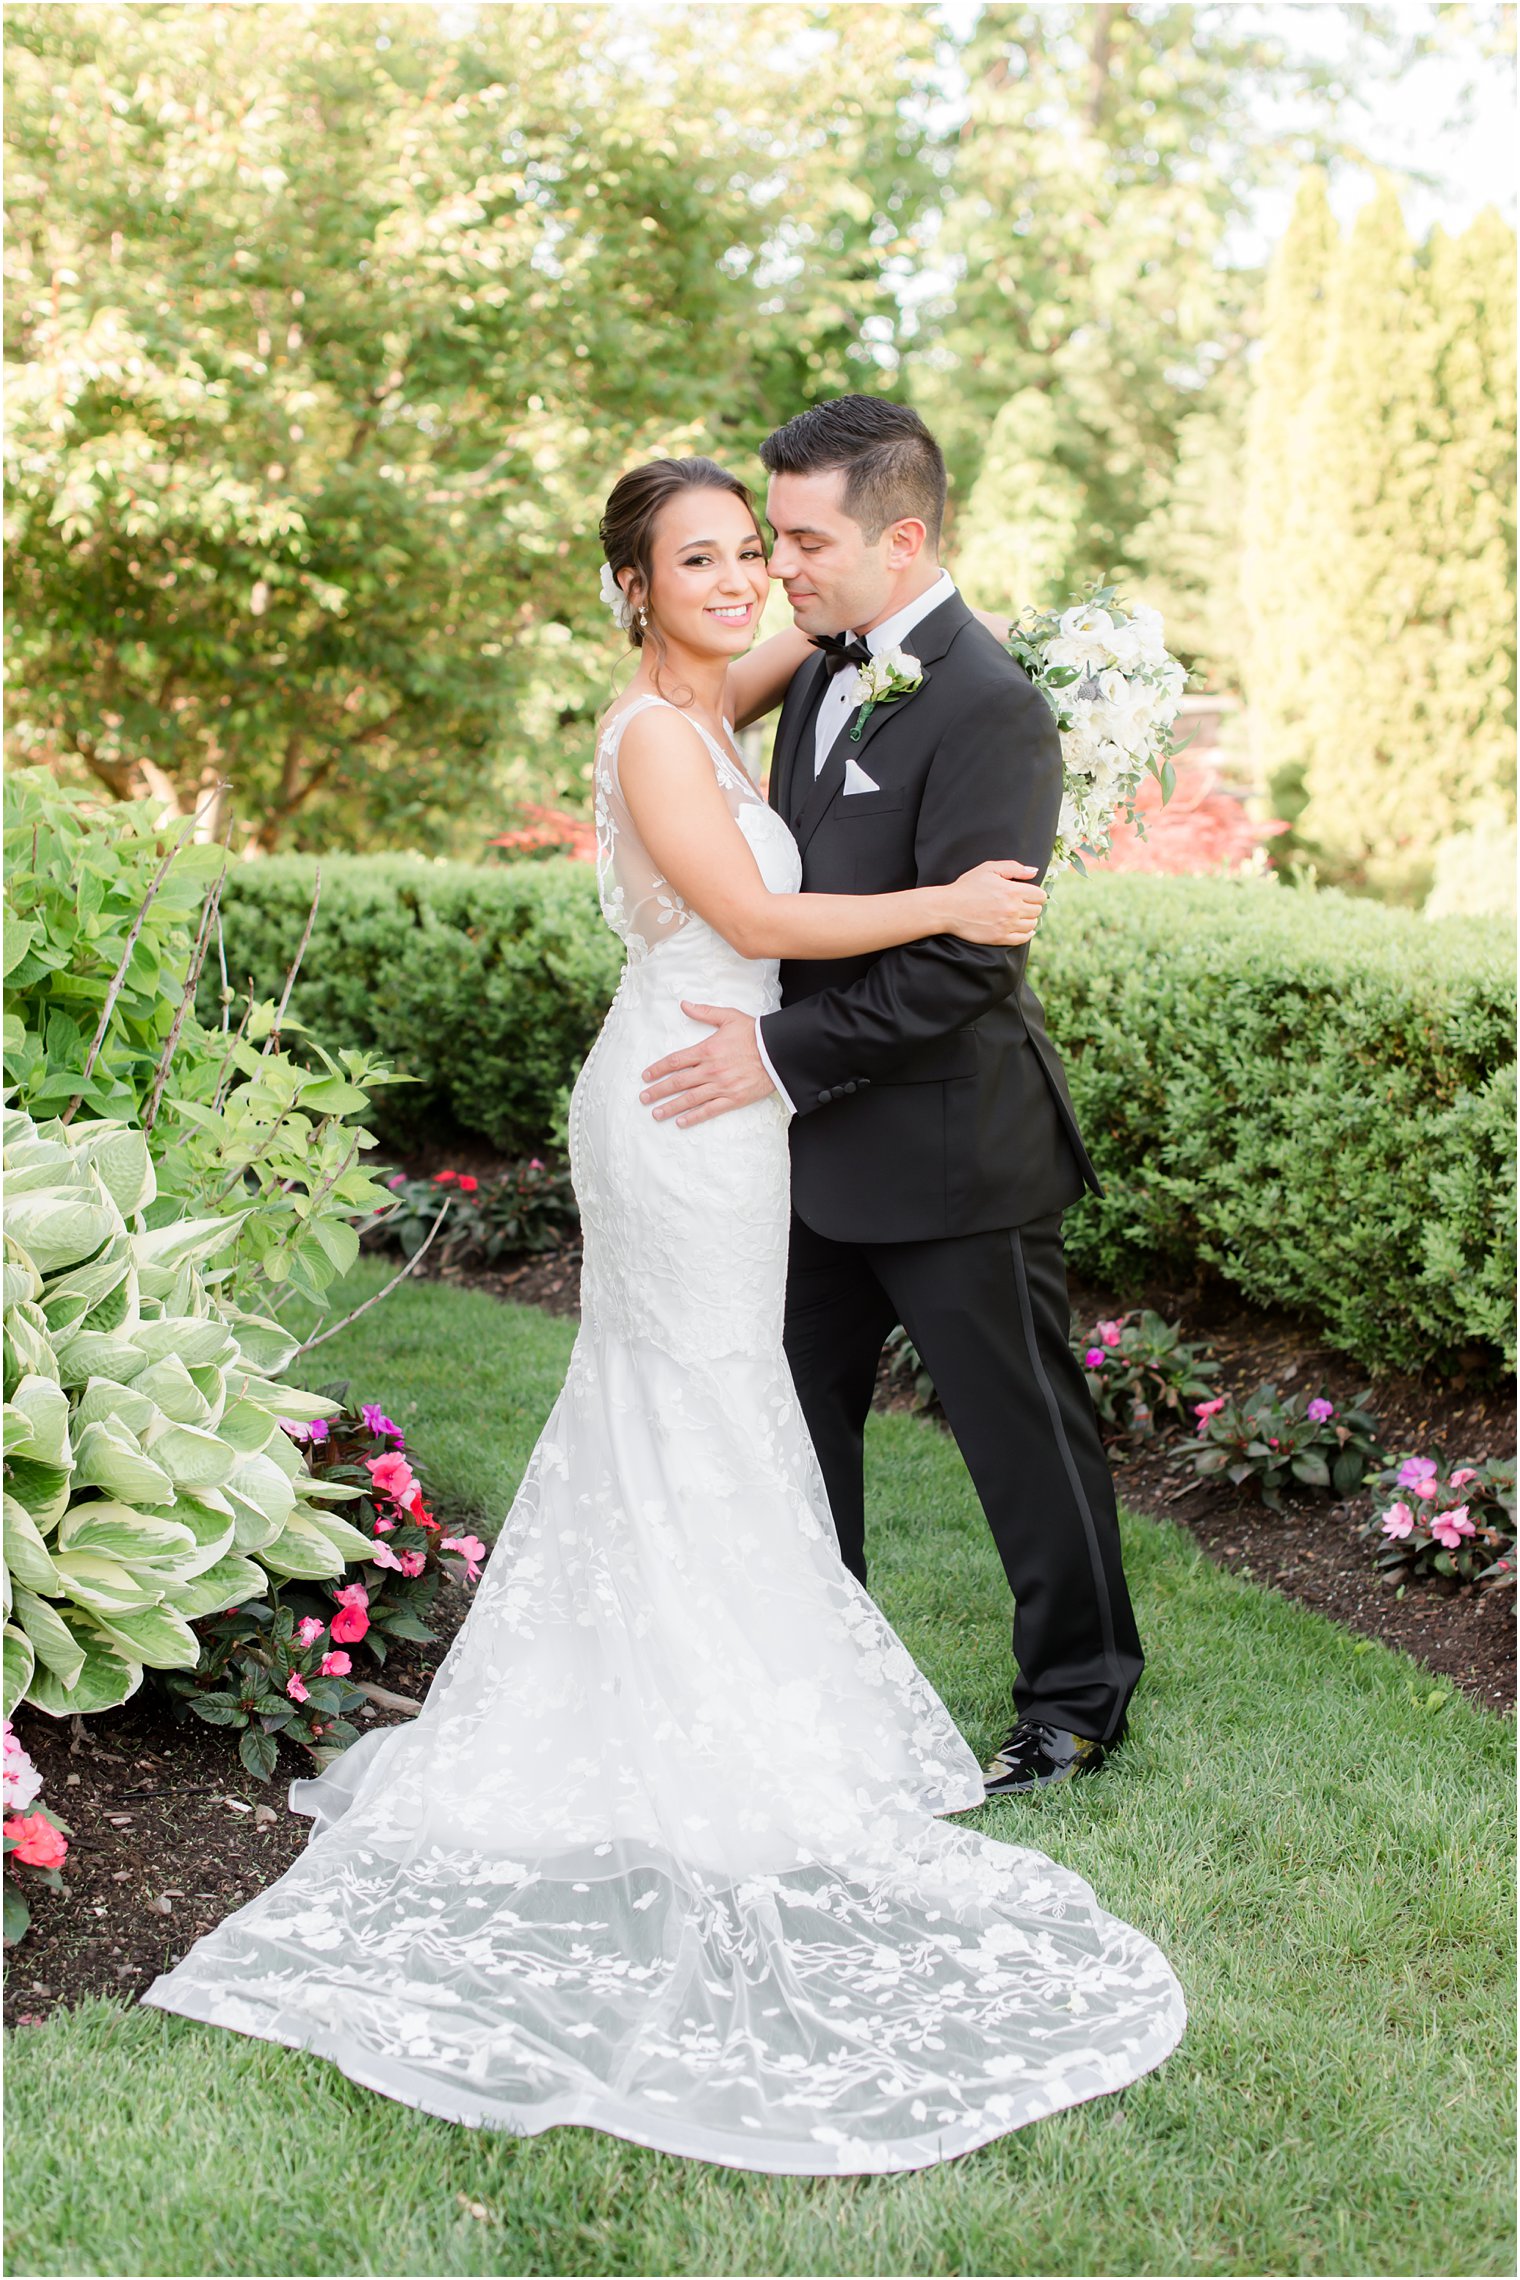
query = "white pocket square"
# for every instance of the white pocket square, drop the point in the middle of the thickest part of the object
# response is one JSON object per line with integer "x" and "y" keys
{"x": 856, "y": 779}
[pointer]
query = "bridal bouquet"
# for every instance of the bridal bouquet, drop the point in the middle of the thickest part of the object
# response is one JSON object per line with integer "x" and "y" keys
{"x": 1114, "y": 688}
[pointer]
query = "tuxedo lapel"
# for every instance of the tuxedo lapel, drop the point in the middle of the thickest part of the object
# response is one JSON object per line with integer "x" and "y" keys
{"x": 793, "y": 734}
{"x": 928, "y": 642}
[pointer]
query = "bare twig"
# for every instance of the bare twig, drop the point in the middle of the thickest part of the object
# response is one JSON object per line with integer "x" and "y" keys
{"x": 120, "y": 975}
{"x": 223, "y": 1075}
{"x": 221, "y": 959}
{"x": 295, "y": 968}
{"x": 412, "y": 1264}
{"x": 209, "y": 910}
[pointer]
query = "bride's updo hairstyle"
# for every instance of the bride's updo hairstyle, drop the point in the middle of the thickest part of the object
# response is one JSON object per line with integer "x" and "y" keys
{"x": 633, "y": 507}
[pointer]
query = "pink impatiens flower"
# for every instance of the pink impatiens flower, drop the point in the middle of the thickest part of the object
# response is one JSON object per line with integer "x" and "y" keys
{"x": 413, "y": 1563}
{"x": 1397, "y": 1520}
{"x": 392, "y": 1475}
{"x": 1418, "y": 1474}
{"x": 1319, "y": 1410}
{"x": 1204, "y": 1410}
{"x": 473, "y": 1549}
{"x": 1449, "y": 1528}
{"x": 310, "y": 1627}
{"x": 352, "y": 1619}
{"x": 383, "y": 1557}
{"x": 336, "y": 1665}
{"x": 1110, "y": 1332}
{"x": 376, "y": 1421}
{"x": 22, "y": 1780}
{"x": 36, "y": 1840}
{"x": 1462, "y": 1476}
{"x": 1094, "y": 1358}
{"x": 295, "y": 1687}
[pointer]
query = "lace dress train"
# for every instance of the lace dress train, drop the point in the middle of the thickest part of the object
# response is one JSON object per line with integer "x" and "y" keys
{"x": 659, "y": 1855}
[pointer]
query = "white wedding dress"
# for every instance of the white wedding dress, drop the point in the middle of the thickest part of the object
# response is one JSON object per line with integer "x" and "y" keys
{"x": 659, "y": 1855}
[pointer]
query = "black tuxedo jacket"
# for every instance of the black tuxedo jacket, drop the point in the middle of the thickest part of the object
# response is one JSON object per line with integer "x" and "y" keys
{"x": 929, "y": 1100}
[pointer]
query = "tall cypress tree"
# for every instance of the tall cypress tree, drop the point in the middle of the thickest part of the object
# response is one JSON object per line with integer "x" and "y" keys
{"x": 1281, "y": 516}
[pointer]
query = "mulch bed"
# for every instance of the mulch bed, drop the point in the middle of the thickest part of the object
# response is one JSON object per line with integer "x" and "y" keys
{"x": 171, "y": 1833}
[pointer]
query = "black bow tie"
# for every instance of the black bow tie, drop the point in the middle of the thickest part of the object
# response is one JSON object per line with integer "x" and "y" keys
{"x": 841, "y": 649}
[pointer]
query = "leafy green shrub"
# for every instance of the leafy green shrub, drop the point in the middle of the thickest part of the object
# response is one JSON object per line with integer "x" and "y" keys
{"x": 145, "y": 1466}
{"x": 487, "y": 984}
{"x": 530, "y": 1207}
{"x": 1314, "y": 1095}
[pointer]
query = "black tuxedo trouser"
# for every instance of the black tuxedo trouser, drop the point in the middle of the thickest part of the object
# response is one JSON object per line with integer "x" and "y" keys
{"x": 991, "y": 1316}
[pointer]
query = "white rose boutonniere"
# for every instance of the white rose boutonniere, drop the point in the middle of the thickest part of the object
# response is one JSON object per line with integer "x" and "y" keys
{"x": 891, "y": 673}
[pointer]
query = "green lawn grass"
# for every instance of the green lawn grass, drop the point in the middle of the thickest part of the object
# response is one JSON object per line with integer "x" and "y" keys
{"x": 1316, "y": 1832}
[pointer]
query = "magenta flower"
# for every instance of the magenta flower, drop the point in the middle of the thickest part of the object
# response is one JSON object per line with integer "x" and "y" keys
{"x": 376, "y": 1421}
{"x": 1110, "y": 1332}
{"x": 1398, "y": 1520}
{"x": 295, "y": 1687}
{"x": 396, "y": 1180}
{"x": 535, "y": 1164}
{"x": 473, "y": 1549}
{"x": 1419, "y": 1475}
{"x": 381, "y": 1526}
{"x": 319, "y": 1429}
{"x": 310, "y": 1627}
{"x": 336, "y": 1665}
{"x": 294, "y": 1427}
{"x": 1319, "y": 1410}
{"x": 1094, "y": 1358}
{"x": 1449, "y": 1528}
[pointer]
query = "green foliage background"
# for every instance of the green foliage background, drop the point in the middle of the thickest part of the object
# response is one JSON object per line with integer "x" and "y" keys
{"x": 1310, "y": 1093}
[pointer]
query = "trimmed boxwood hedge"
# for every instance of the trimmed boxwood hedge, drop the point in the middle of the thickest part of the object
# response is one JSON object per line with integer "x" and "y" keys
{"x": 1311, "y": 1093}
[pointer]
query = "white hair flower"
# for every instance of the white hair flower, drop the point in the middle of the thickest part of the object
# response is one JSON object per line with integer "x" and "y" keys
{"x": 616, "y": 599}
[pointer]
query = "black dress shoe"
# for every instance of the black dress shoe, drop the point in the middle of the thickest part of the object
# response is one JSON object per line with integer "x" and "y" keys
{"x": 1037, "y": 1756}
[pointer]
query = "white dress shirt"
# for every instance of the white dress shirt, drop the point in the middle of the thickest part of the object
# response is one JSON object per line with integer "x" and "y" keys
{"x": 839, "y": 701}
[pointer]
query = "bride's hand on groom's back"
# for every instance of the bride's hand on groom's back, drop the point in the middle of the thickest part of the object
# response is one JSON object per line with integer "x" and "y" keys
{"x": 996, "y": 903}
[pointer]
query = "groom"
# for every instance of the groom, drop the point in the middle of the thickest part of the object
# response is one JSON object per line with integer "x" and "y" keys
{"x": 934, "y": 1147}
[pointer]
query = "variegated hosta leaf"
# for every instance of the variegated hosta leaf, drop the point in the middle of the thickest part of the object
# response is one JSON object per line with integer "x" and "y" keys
{"x": 105, "y": 1679}
{"x": 119, "y": 1532}
{"x": 192, "y": 1459}
{"x": 169, "y": 1384}
{"x": 210, "y": 1523}
{"x": 20, "y": 1661}
{"x": 261, "y": 1484}
{"x": 69, "y": 1298}
{"x": 264, "y": 1345}
{"x": 98, "y": 1353}
{"x": 26, "y": 1555}
{"x": 55, "y": 1644}
{"x": 121, "y": 1160}
{"x": 107, "y": 1456}
{"x": 28, "y": 1345}
{"x": 232, "y": 1582}
{"x": 339, "y": 1491}
{"x": 197, "y": 1343}
{"x": 351, "y": 1542}
{"x": 248, "y": 1427}
{"x": 292, "y": 1401}
{"x": 183, "y": 1243}
{"x": 43, "y": 1489}
{"x": 59, "y": 1228}
{"x": 302, "y": 1549}
{"x": 21, "y": 1277}
{"x": 156, "y": 1636}
{"x": 105, "y": 1402}
{"x": 45, "y": 1407}
{"x": 99, "y": 1583}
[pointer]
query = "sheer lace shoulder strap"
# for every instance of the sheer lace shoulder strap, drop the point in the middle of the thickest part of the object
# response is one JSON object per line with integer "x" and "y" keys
{"x": 730, "y": 770}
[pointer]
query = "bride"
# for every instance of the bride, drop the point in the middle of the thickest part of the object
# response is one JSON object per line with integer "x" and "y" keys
{"x": 661, "y": 1855}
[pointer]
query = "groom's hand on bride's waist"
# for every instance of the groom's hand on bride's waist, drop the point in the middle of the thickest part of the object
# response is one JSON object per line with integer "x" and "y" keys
{"x": 725, "y": 1071}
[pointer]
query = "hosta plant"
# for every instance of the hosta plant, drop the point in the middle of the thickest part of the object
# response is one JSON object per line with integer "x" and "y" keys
{"x": 1141, "y": 1372}
{"x": 147, "y": 1478}
{"x": 1436, "y": 1518}
{"x": 1304, "y": 1440}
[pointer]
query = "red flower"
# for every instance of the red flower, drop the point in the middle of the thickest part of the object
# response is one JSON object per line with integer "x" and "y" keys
{"x": 468, "y": 1186}
{"x": 442, "y": 1179}
{"x": 37, "y": 1842}
{"x": 416, "y": 1510}
{"x": 352, "y": 1620}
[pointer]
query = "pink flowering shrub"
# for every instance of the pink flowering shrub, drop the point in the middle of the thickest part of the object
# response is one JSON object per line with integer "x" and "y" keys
{"x": 1141, "y": 1373}
{"x": 35, "y": 1839}
{"x": 1303, "y": 1440}
{"x": 1433, "y": 1518}
{"x": 280, "y": 1664}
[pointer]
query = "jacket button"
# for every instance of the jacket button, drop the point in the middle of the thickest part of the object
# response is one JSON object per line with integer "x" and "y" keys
{"x": 850, "y": 1086}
